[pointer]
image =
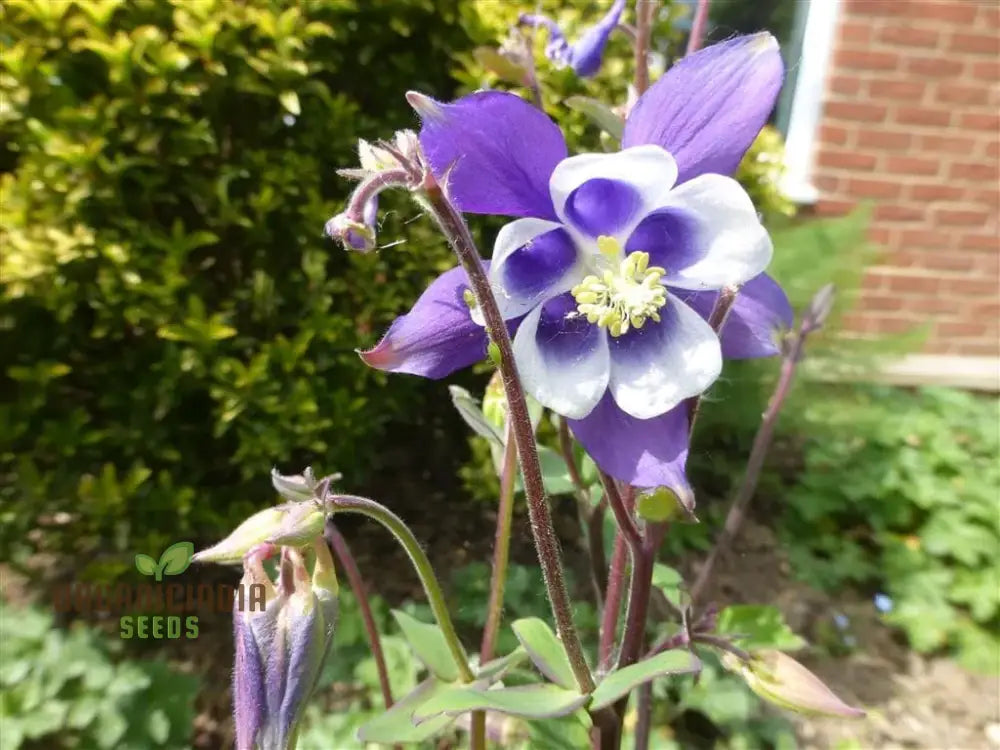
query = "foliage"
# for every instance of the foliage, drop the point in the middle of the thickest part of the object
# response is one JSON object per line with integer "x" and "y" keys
{"x": 171, "y": 317}
{"x": 898, "y": 494}
{"x": 62, "y": 689}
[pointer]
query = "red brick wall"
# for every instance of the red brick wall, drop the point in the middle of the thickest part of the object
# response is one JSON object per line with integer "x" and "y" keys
{"x": 911, "y": 121}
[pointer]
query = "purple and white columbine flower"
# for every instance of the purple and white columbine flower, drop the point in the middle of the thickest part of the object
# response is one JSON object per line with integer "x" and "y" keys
{"x": 585, "y": 54}
{"x": 615, "y": 260}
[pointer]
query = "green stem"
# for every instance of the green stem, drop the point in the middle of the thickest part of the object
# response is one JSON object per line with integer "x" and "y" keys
{"x": 372, "y": 509}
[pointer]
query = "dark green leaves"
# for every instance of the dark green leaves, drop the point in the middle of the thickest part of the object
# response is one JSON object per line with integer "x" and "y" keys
{"x": 527, "y": 701}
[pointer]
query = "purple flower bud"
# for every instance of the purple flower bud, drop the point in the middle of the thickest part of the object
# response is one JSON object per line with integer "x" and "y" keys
{"x": 282, "y": 639}
{"x": 353, "y": 234}
{"x": 586, "y": 53}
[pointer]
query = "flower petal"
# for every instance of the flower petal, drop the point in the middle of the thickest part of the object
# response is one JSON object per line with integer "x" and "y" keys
{"x": 562, "y": 359}
{"x": 655, "y": 367}
{"x": 609, "y": 193}
{"x": 533, "y": 260}
{"x": 586, "y": 53}
{"x": 708, "y": 108}
{"x": 437, "y": 336}
{"x": 494, "y": 151}
{"x": 760, "y": 313}
{"x": 642, "y": 452}
{"x": 707, "y": 236}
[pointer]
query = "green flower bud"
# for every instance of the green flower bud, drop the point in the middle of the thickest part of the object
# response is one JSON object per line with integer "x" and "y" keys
{"x": 778, "y": 678}
{"x": 291, "y": 524}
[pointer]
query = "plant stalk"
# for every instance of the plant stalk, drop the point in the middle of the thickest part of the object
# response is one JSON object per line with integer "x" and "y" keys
{"x": 501, "y": 550}
{"x": 612, "y": 602}
{"x": 698, "y": 27}
{"x": 590, "y": 518}
{"x": 758, "y": 452}
{"x": 378, "y": 512}
{"x": 347, "y": 562}
{"x": 643, "y": 28}
{"x": 546, "y": 543}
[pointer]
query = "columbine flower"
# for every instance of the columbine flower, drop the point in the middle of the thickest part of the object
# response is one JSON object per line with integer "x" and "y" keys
{"x": 616, "y": 260}
{"x": 585, "y": 54}
{"x": 280, "y": 648}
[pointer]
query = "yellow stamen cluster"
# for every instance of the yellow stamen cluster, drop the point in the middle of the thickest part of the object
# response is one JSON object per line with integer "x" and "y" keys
{"x": 625, "y": 297}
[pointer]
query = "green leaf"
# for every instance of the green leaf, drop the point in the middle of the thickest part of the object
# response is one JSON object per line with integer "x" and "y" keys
{"x": 495, "y": 669}
{"x": 290, "y": 101}
{"x": 176, "y": 558}
{"x": 669, "y": 582}
{"x": 396, "y": 724}
{"x": 472, "y": 414}
{"x": 599, "y": 114}
{"x": 760, "y": 626}
{"x": 145, "y": 564}
{"x": 545, "y": 650}
{"x": 500, "y": 66}
{"x": 527, "y": 701}
{"x": 429, "y": 645}
{"x": 623, "y": 681}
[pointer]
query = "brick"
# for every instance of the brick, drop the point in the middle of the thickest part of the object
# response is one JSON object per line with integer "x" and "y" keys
{"x": 956, "y": 11}
{"x": 946, "y": 144}
{"x": 884, "y": 140}
{"x": 992, "y": 149}
{"x": 962, "y": 217}
{"x": 986, "y": 70}
{"x": 863, "y": 59}
{"x": 912, "y": 283}
{"x": 978, "y": 121}
{"x": 855, "y": 31}
{"x": 990, "y": 242}
{"x": 907, "y": 36}
{"x": 935, "y": 192}
{"x": 857, "y": 323}
{"x": 878, "y": 7}
{"x": 833, "y": 207}
{"x": 923, "y": 116}
{"x": 828, "y": 183}
{"x": 874, "y": 281}
{"x": 935, "y": 67}
{"x": 846, "y": 160}
{"x": 880, "y": 235}
{"x": 893, "y": 212}
{"x": 847, "y": 85}
{"x": 860, "y": 188}
{"x": 936, "y": 261}
{"x": 856, "y": 111}
{"x": 969, "y": 286}
{"x": 892, "y": 325}
{"x": 947, "y": 328}
{"x": 979, "y": 44}
{"x": 909, "y": 91}
{"x": 886, "y": 303}
{"x": 974, "y": 171}
{"x": 833, "y": 134}
{"x": 989, "y": 16}
{"x": 955, "y": 93}
{"x": 924, "y": 238}
{"x": 974, "y": 349}
{"x": 913, "y": 165}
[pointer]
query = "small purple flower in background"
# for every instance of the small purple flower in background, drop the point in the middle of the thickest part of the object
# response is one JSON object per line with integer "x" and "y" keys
{"x": 584, "y": 55}
{"x": 883, "y": 603}
{"x": 615, "y": 260}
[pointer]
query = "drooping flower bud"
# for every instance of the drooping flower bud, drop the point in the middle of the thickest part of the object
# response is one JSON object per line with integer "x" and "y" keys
{"x": 353, "y": 234}
{"x": 778, "y": 678}
{"x": 586, "y": 53}
{"x": 280, "y": 646}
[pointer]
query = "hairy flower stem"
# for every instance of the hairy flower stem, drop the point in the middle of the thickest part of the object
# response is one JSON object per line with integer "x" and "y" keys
{"x": 613, "y": 602}
{"x": 546, "y": 543}
{"x": 372, "y": 509}
{"x": 716, "y": 319}
{"x": 501, "y": 551}
{"x": 698, "y": 27}
{"x": 372, "y": 186}
{"x": 758, "y": 452}
{"x": 644, "y": 716}
{"x": 350, "y": 567}
{"x": 643, "y": 28}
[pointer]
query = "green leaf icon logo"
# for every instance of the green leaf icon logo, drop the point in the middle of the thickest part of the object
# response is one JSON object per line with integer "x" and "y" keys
{"x": 145, "y": 564}
{"x": 175, "y": 560}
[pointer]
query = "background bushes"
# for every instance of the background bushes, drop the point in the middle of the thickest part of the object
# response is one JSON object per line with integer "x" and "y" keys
{"x": 173, "y": 322}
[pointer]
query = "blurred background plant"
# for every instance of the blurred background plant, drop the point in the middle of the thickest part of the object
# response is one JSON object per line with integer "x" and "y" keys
{"x": 174, "y": 323}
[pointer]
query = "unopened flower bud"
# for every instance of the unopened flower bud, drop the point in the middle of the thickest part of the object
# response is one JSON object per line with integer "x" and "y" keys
{"x": 292, "y": 524}
{"x": 352, "y": 234}
{"x": 280, "y": 646}
{"x": 778, "y": 678}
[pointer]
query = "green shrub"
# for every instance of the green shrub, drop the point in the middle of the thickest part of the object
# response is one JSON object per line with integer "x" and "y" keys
{"x": 173, "y": 322}
{"x": 899, "y": 494}
{"x": 61, "y": 689}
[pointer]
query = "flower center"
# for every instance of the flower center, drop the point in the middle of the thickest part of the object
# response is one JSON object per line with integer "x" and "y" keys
{"x": 624, "y": 297}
